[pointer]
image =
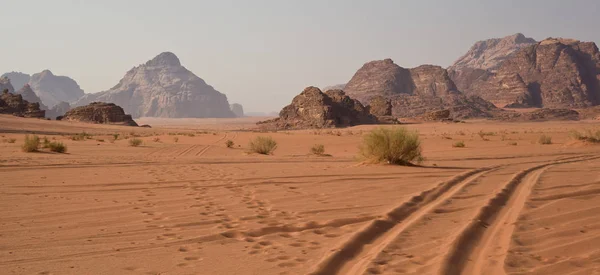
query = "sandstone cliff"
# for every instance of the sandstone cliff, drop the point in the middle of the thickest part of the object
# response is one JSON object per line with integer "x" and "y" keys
{"x": 15, "y": 104}
{"x": 100, "y": 112}
{"x": 164, "y": 88}
{"x": 237, "y": 109}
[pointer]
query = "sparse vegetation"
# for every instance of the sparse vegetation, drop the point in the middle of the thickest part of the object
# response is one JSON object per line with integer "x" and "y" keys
{"x": 135, "y": 142}
{"x": 9, "y": 140}
{"x": 45, "y": 142}
{"x": 589, "y": 136}
{"x": 115, "y": 136}
{"x": 81, "y": 136}
{"x": 191, "y": 135}
{"x": 263, "y": 145}
{"x": 394, "y": 146}
{"x": 318, "y": 149}
{"x": 156, "y": 139}
{"x": 229, "y": 143}
{"x": 459, "y": 144}
{"x": 483, "y": 135}
{"x": 57, "y": 147}
{"x": 176, "y": 139}
{"x": 31, "y": 144}
{"x": 544, "y": 139}
{"x": 99, "y": 140}
{"x": 512, "y": 143}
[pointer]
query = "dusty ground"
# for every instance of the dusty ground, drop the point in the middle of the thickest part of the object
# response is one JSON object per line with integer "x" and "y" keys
{"x": 193, "y": 206}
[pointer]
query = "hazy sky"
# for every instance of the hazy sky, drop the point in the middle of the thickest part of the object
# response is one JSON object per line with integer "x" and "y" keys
{"x": 263, "y": 53}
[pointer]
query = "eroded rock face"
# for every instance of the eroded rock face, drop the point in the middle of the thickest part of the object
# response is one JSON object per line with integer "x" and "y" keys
{"x": 554, "y": 73}
{"x": 237, "y": 109}
{"x": 414, "y": 92}
{"x": 15, "y": 104}
{"x": 164, "y": 88}
{"x": 53, "y": 89}
{"x": 380, "y": 106}
{"x": 58, "y": 110}
{"x": 5, "y": 84}
{"x": 17, "y": 79}
{"x": 28, "y": 94}
{"x": 543, "y": 114}
{"x": 100, "y": 112}
{"x": 315, "y": 109}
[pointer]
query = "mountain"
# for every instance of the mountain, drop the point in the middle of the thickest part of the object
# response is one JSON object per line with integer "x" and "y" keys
{"x": 28, "y": 94}
{"x": 553, "y": 73}
{"x": 17, "y": 79}
{"x": 53, "y": 89}
{"x": 6, "y": 85}
{"x": 414, "y": 92}
{"x": 162, "y": 87}
{"x": 335, "y": 87}
{"x": 237, "y": 109}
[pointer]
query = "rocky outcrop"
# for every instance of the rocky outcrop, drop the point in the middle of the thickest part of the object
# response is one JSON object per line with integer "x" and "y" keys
{"x": 554, "y": 73}
{"x": 380, "y": 106}
{"x": 163, "y": 88}
{"x": 544, "y": 114}
{"x": 17, "y": 79}
{"x": 237, "y": 109}
{"x": 100, "y": 112}
{"x": 335, "y": 87}
{"x": 5, "y": 84}
{"x": 315, "y": 109}
{"x": 53, "y": 89}
{"x": 58, "y": 110}
{"x": 15, "y": 104}
{"x": 414, "y": 92}
{"x": 28, "y": 94}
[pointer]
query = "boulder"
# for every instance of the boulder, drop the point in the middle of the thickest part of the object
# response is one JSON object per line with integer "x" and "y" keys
{"x": 101, "y": 113}
{"x": 15, "y": 104}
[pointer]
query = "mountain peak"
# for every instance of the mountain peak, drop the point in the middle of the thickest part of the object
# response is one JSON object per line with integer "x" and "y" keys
{"x": 164, "y": 59}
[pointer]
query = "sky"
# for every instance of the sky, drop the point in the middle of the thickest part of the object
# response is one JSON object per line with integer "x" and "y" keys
{"x": 261, "y": 53}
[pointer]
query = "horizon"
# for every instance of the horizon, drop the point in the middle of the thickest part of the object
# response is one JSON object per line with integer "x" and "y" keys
{"x": 248, "y": 58}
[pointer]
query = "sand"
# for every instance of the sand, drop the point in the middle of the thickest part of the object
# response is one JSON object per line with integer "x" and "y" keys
{"x": 184, "y": 203}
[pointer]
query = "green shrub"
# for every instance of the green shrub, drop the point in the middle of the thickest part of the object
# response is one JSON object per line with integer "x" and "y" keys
{"x": 459, "y": 144}
{"x": 589, "y": 136}
{"x": 544, "y": 139}
{"x": 229, "y": 143}
{"x": 58, "y": 147}
{"x": 32, "y": 144}
{"x": 135, "y": 142}
{"x": 263, "y": 145}
{"x": 394, "y": 146}
{"x": 318, "y": 149}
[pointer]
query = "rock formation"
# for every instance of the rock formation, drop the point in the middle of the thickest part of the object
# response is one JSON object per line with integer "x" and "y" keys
{"x": 554, "y": 73}
{"x": 543, "y": 114}
{"x": 5, "y": 84}
{"x": 53, "y": 89}
{"x": 380, "y": 106}
{"x": 100, "y": 112}
{"x": 58, "y": 110}
{"x": 16, "y": 105}
{"x": 18, "y": 79}
{"x": 27, "y": 93}
{"x": 237, "y": 109}
{"x": 315, "y": 109}
{"x": 335, "y": 87}
{"x": 414, "y": 92}
{"x": 164, "y": 88}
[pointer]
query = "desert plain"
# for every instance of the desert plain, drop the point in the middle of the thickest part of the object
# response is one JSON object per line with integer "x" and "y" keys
{"x": 184, "y": 203}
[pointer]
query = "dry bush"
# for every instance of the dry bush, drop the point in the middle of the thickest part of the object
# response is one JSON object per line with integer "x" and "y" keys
{"x": 31, "y": 144}
{"x": 9, "y": 140}
{"x": 544, "y": 140}
{"x": 135, "y": 142}
{"x": 512, "y": 143}
{"x": 81, "y": 136}
{"x": 589, "y": 136}
{"x": 394, "y": 146}
{"x": 263, "y": 145}
{"x": 318, "y": 149}
{"x": 156, "y": 139}
{"x": 176, "y": 139}
{"x": 57, "y": 147}
{"x": 459, "y": 144}
{"x": 229, "y": 143}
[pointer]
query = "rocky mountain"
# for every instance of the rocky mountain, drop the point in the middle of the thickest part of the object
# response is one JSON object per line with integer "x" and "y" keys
{"x": 99, "y": 112}
{"x": 59, "y": 109}
{"x": 28, "y": 94}
{"x": 18, "y": 79}
{"x": 414, "y": 92}
{"x": 335, "y": 87}
{"x": 237, "y": 109}
{"x": 15, "y": 104}
{"x": 53, "y": 89}
{"x": 314, "y": 109}
{"x": 554, "y": 73}
{"x": 6, "y": 85}
{"x": 162, "y": 87}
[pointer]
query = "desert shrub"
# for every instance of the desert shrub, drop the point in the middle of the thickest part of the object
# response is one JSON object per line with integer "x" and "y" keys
{"x": 58, "y": 147}
{"x": 9, "y": 140}
{"x": 191, "y": 135}
{"x": 115, "y": 136}
{"x": 483, "y": 135}
{"x": 460, "y": 133}
{"x": 513, "y": 143}
{"x": 45, "y": 142}
{"x": 100, "y": 140}
{"x": 135, "y": 142}
{"x": 81, "y": 136}
{"x": 589, "y": 136}
{"x": 229, "y": 143}
{"x": 176, "y": 139}
{"x": 156, "y": 139}
{"x": 31, "y": 144}
{"x": 394, "y": 146}
{"x": 263, "y": 145}
{"x": 544, "y": 139}
{"x": 459, "y": 144}
{"x": 318, "y": 149}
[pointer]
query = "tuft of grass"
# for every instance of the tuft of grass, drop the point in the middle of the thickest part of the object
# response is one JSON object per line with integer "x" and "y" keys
{"x": 9, "y": 140}
{"x": 31, "y": 144}
{"x": 191, "y": 135}
{"x": 156, "y": 139}
{"x": 512, "y": 143}
{"x": 99, "y": 140}
{"x": 176, "y": 139}
{"x": 135, "y": 142}
{"x": 45, "y": 142}
{"x": 589, "y": 136}
{"x": 459, "y": 144}
{"x": 81, "y": 136}
{"x": 229, "y": 143}
{"x": 57, "y": 147}
{"x": 544, "y": 140}
{"x": 263, "y": 145}
{"x": 318, "y": 149}
{"x": 395, "y": 146}
{"x": 115, "y": 136}
{"x": 483, "y": 135}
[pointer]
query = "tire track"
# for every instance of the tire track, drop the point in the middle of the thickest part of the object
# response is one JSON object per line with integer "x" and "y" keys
{"x": 352, "y": 257}
{"x": 203, "y": 151}
{"x": 494, "y": 224}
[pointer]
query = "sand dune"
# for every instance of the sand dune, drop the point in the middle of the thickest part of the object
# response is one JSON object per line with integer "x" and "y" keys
{"x": 184, "y": 203}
